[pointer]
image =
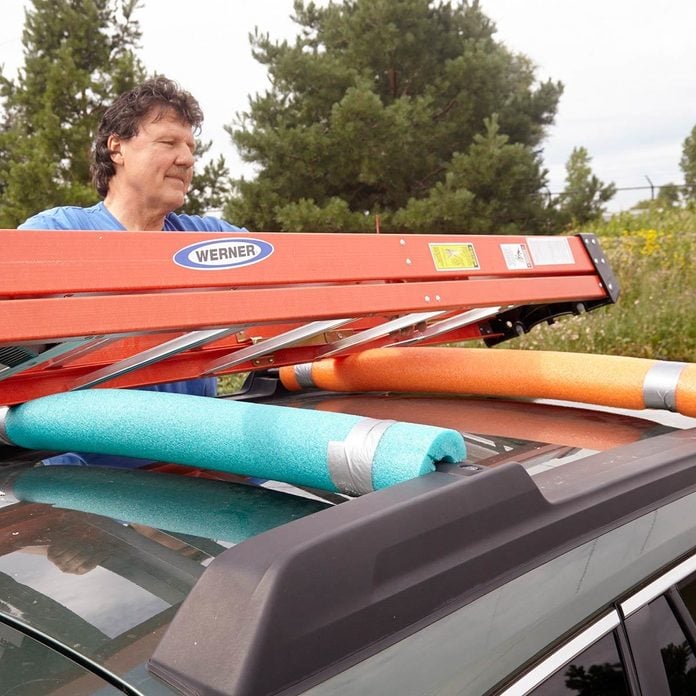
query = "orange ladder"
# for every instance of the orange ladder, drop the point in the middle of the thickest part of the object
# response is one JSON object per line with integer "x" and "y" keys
{"x": 82, "y": 309}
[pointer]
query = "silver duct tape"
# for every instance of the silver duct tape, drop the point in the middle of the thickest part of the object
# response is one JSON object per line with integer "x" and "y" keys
{"x": 660, "y": 385}
{"x": 303, "y": 375}
{"x": 350, "y": 460}
{"x": 4, "y": 439}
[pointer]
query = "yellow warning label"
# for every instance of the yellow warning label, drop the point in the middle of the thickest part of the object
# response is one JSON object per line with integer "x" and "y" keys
{"x": 454, "y": 257}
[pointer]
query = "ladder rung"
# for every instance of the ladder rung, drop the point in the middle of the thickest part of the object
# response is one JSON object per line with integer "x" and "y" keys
{"x": 188, "y": 341}
{"x": 360, "y": 339}
{"x": 269, "y": 345}
{"x": 472, "y": 316}
{"x": 56, "y": 355}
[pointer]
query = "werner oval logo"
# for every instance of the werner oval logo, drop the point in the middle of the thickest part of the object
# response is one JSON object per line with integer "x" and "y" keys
{"x": 220, "y": 254}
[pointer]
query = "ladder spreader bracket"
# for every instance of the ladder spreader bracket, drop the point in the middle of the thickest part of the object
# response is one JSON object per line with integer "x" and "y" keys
{"x": 188, "y": 341}
{"x": 270, "y": 345}
{"x": 124, "y": 309}
{"x": 365, "y": 337}
{"x": 446, "y": 326}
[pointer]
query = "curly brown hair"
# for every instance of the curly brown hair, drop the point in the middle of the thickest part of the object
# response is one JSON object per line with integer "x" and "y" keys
{"x": 125, "y": 115}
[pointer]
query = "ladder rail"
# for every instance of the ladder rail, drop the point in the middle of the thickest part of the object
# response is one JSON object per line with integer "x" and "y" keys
{"x": 74, "y": 262}
{"x": 34, "y": 320}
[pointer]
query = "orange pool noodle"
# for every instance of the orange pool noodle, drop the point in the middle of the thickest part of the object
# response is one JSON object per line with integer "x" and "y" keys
{"x": 598, "y": 379}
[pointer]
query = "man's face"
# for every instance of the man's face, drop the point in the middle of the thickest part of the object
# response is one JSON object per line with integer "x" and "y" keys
{"x": 155, "y": 166}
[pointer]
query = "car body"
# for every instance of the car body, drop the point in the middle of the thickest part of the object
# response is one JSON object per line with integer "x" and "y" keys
{"x": 548, "y": 548}
{"x": 559, "y": 556}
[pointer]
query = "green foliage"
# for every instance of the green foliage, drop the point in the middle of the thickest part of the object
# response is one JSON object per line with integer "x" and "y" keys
{"x": 668, "y": 196}
{"x": 492, "y": 189}
{"x": 676, "y": 222}
{"x": 334, "y": 216}
{"x": 78, "y": 56}
{"x": 584, "y": 195}
{"x": 210, "y": 187}
{"x": 652, "y": 256}
{"x": 382, "y": 104}
{"x": 687, "y": 164}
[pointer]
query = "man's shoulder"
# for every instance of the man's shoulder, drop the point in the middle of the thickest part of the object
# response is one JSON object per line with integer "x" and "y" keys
{"x": 199, "y": 223}
{"x": 67, "y": 217}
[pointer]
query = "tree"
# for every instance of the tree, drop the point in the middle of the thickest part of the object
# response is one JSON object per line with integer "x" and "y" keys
{"x": 668, "y": 196}
{"x": 381, "y": 107}
{"x": 490, "y": 189}
{"x": 687, "y": 164}
{"x": 78, "y": 55}
{"x": 209, "y": 187}
{"x": 584, "y": 195}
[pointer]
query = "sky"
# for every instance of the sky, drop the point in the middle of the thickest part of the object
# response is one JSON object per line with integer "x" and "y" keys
{"x": 628, "y": 67}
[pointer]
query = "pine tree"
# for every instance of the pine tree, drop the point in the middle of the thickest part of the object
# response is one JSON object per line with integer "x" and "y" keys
{"x": 210, "y": 187}
{"x": 380, "y": 108}
{"x": 585, "y": 194}
{"x": 687, "y": 164}
{"x": 78, "y": 55}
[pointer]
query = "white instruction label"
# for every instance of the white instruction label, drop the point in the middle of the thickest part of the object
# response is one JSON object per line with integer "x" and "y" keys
{"x": 516, "y": 256}
{"x": 550, "y": 251}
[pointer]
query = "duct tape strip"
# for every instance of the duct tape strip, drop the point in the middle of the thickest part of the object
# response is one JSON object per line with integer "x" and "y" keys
{"x": 350, "y": 460}
{"x": 660, "y": 385}
{"x": 4, "y": 440}
{"x": 303, "y": 375}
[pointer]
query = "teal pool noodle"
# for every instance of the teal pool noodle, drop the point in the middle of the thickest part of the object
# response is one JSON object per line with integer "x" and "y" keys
{"x": 218, "y": 510}
{"x": 330, "y": 451}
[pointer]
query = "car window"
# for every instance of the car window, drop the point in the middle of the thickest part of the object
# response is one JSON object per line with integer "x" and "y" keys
{"x": 687, "y": 590}
{"x": 597, "y": 670}
{"x": 677, "y": 654}
{"x": 29, "y": 668}
{"x": 518, "y": 620}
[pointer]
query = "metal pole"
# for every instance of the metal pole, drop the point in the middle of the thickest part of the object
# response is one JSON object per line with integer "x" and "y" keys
{"x": 652, "y": 188}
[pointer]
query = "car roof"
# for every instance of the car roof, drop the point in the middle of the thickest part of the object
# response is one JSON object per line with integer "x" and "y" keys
{"x": 503, "y": 436}
{"x": 418, "y": 551}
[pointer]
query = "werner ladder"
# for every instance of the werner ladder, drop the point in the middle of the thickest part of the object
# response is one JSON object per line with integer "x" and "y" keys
{"x": 118, "y": 309}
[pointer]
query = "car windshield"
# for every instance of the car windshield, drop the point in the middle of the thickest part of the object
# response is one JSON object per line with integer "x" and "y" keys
{"x": 104, "y": 568}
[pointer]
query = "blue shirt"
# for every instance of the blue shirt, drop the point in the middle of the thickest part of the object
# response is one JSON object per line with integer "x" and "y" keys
{"x": 72, "y": 217}
{"x": 98, "y": 217}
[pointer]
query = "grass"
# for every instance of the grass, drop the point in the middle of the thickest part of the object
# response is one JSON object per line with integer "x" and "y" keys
{"x": 652, "y": 254}
{"x": 231, "y": 384}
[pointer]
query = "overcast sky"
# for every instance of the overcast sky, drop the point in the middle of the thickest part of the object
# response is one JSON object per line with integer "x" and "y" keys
{"x": 627, "y": 66}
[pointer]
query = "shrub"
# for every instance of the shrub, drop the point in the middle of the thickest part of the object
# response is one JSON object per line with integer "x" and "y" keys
{"x": 652, "y": 255}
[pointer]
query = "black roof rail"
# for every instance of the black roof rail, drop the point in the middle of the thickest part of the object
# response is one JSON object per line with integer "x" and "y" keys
{"x": 322, "y": 593}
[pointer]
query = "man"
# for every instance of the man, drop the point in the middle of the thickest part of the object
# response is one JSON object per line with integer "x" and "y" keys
{"x": 142, "y": 165}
